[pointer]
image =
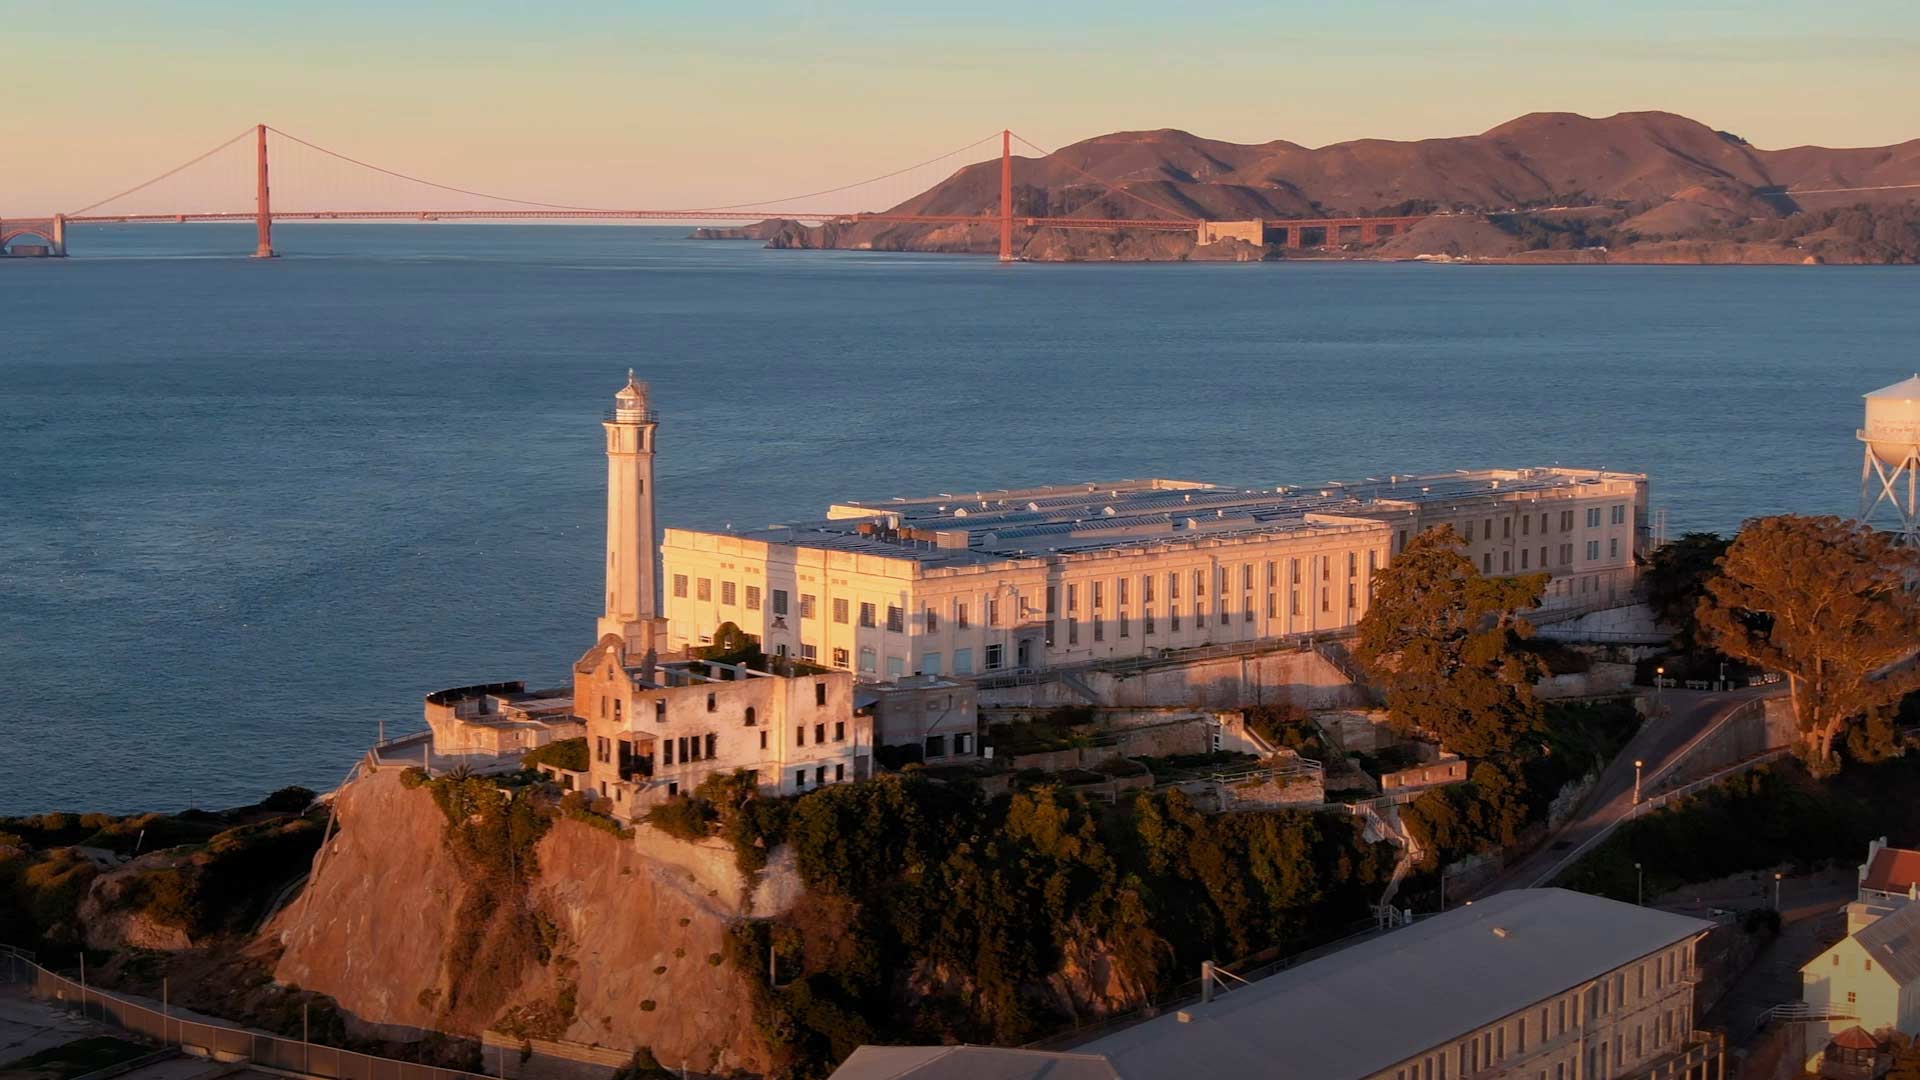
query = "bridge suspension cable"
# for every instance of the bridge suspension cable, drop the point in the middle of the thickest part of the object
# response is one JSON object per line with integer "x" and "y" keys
{"x": 170, "y": 172}
{"x": 855, "y": 184}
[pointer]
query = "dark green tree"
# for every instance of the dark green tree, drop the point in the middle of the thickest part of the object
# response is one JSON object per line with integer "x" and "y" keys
{"x": 1828, "y": 603}
{"x": 1443, "y": 641}
{"x": 1676, "y": 578}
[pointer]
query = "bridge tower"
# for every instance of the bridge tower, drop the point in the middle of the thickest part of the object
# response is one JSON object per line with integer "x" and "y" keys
{"x": 631, "y": 564}
{"x": 1891, "y": 471}
{"x": 263, "y": 206}
{"x": 1006, "y": 196}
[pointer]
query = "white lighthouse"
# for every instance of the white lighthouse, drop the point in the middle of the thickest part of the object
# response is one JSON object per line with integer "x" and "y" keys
{"x": 631, "y": 565}
{"x": 1890, "y": 475}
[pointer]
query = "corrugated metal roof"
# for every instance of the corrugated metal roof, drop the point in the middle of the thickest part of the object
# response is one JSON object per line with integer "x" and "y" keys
{"x": 970, "y": 1063}
{"x": 1893, "y": 942}
{"x": 1438, "y": 979}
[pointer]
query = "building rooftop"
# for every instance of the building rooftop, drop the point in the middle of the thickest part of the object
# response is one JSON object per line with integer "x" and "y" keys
{"x": 1449, "y": 975}
{"x": 1892, "y": 870}
{"x": 1893, "y": 941}
{"x": 991, "y": 526}
{"x": 969, "y": 1063}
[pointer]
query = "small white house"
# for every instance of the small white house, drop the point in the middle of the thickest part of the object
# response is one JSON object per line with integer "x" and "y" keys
{"x": 1873, "y": 975}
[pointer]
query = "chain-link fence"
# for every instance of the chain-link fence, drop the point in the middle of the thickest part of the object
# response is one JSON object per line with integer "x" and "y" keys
{"x": 219, "y": 1041}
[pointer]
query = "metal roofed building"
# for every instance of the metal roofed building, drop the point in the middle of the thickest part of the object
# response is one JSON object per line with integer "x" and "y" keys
{"x": 1527, "y": 983}
{"x": 969, "y": 1063}
{"x": 1024, "y": 579}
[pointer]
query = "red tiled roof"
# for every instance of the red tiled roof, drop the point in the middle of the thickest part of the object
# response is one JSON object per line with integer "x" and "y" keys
{"x": 1892, "y": 870}
{"x": 1854, "y": 1039}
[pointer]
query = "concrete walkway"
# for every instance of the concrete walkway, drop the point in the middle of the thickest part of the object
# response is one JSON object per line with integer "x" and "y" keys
{"x": 28, "y": 1026}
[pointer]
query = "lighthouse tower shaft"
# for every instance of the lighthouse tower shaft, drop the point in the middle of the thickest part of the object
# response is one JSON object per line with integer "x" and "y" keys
{"x": 632, "y": 567}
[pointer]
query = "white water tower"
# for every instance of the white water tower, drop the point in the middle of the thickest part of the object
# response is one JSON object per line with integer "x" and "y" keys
{"x": 1891, "y": 472}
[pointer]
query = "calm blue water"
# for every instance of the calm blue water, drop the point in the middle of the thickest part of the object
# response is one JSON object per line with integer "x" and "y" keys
{"x": 250, "y": 509}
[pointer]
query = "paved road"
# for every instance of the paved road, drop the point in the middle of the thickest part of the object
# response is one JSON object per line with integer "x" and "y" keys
{"x": 1658, "y": 743}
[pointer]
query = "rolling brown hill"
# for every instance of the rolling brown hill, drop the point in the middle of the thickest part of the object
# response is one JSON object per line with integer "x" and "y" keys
{"x": 1631, "y": 165}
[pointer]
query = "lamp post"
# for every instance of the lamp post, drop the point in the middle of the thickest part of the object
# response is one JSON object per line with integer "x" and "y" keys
{"x": 1776, "y": 890}
{"x": 1723, "y": 674}
{"x": 1637, "y": 766}
{"x": 1659, "y": 684}
{"x": 1639, "y": 885}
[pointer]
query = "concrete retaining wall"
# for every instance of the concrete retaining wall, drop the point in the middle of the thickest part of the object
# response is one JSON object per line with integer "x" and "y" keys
{"x": 1754, "y": 730}
{"x": 1601, "y": 680}
{"x": 1289, "y": 675}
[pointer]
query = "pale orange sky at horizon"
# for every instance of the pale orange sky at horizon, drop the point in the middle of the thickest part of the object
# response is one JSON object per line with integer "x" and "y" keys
{"x": 640, "y": 105}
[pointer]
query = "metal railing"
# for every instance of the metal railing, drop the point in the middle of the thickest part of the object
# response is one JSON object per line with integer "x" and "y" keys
{"x": 206, "y": 1038}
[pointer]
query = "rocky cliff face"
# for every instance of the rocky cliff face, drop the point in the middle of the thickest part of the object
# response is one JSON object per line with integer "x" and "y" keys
{"x": 626, "y": 953}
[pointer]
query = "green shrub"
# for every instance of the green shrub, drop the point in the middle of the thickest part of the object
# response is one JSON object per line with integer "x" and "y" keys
{"x": 568, "y": 754}
{"x": 683, "y": 816}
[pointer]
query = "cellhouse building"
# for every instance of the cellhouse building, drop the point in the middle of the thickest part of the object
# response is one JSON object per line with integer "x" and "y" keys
{"x": 1012, "y": 580}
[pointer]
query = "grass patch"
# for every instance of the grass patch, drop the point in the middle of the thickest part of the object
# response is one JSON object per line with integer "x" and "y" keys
{"x": 567, "y": 754}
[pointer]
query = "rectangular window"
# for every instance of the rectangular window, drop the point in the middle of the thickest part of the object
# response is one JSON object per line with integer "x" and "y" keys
{"x": 1353, "y": 597}
{"x": 867, "y": 616}
{"x": 810, "y": 653}
{"x": 930, "y": 664}
{"x": 1593, "y": 517}
{"x": 703, "y": 589}
{"x": 712, "y": 742}
{"x": 1052, "y": 595}
{"x": 1121, "y": 622}
{"x": 1506, "y": 562}
{"x": 1526, "y": 525}
{"x": 779, "y": 601}
{"x": 1173, "y": 586}
{"x": 753, "y": 598}
{"x": 1467, "y": 533}
{"x": 1146, "y": 588}
{"x": 936, "y": 746}
{"x": 1613, "y": 547}
{"x": 1293, "y": 602}
{"x": 820, "y": 775}
{"x": 963, "y": 661}
{"x": 933, "y": 620}
{"x": 1293, "y": 571}
{"x": 993, "y": 611}
{"x": 666, "y": 751}
{"x": 800, "y": 779}
{"x": 1566, "y": 521}
{"x": 1593, "y": 550}
{"x": 819, "y": 734}
{"x": 1146, "y": 624}
{"x": 1173, "y": 621}
{"x": 960, "y": 615}
{"x": 1073, "y": 598}
{"x": 680, "y": 586}
{"x": 1523, "y": 558}
{"x": 896, "y": 618}
{"x": 1506, "y": 528}
{"x": 1120, "y": 592}
{"x": 1099, "y": 630}
{"x": 896, "y": 667}
{"x": 806, "y": 605}
{"x": 1199, "y": 587}
{"x": 840, "y": 658}
{"x": 1620, "y": 514}
{"x": 660, "y": 710}
{"x": 1486, "y": 562}
{"x": 866, "y": 660}
{"x": 994, "y": 653}
{"x": 1073, "y": 631}
{"x": 729, "y": 594}
{"x": 1326, "y": 599}
{"x": 840, "y": 610}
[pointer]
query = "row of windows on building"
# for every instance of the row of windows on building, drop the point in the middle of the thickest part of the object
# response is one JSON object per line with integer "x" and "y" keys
{"x": 819, "y": 775}
{"x": 1617, "y": 515}
{"x": 1566, "y": 556}
{"x": 750, "y": 717}
{"x": 1656, "y": 1033}
{"x": 960, "y": 611}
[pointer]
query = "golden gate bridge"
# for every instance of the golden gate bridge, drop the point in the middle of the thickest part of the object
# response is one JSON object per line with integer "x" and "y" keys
{"x": 48, "y": 235}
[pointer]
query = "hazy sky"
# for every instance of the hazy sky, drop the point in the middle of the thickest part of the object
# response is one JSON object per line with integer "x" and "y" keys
{"x": 652, "y": 104}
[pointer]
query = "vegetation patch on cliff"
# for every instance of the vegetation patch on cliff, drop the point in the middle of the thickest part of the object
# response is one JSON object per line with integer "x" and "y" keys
{"x": 936, "y": 914}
